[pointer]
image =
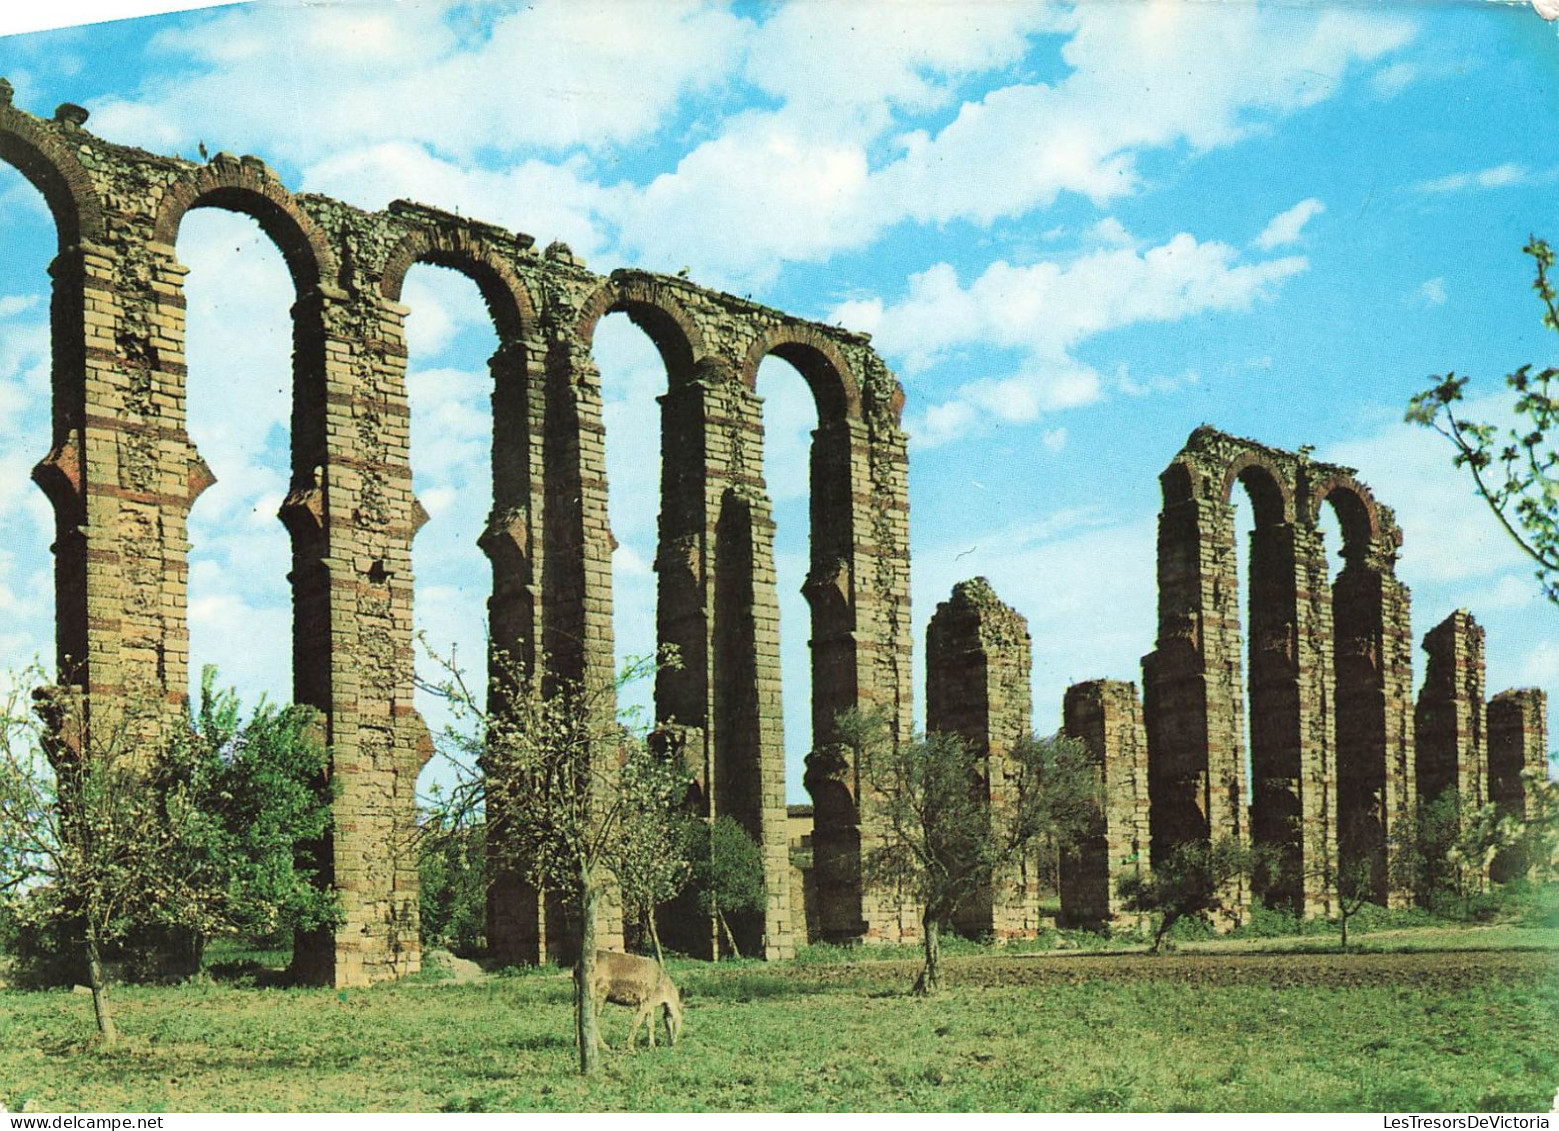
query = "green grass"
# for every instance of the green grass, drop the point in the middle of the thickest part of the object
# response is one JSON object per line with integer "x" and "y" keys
{"x": 1462, "y": 1030}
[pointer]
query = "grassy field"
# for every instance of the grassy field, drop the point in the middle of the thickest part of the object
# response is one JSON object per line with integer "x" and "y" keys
{"x": 1403, "y": 1028}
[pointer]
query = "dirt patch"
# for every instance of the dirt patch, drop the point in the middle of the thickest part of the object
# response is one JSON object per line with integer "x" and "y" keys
{"x": 461, "y": 970}
{"x": 1446, "y": 969}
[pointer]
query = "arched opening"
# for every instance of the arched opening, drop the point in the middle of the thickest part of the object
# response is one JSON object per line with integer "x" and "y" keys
{"x": 27, "y": 522}
{"x": 239, "y": 398}
{"x": 471, "y": 412}
{"x": 790, "y": 418}
{"x": 450, "y": 336}
{"x": 1273, "y": 716}
{"x": 633, "y": 377}
{"x": 833, "y": 897}
{"x": 1359, "y": 710}
{"x": 1244, "y": 529}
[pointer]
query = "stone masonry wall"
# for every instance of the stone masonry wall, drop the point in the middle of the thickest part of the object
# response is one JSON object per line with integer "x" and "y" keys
{"x": 1106, "y": 716}
{"x": 1451, "y": 721}
{"x": 1518, "y": 745}
{"x": 1329, "y": 670}
{"x": 122, "y": 475}
{"x": 977, "y": 687}
{"x": 1518, "y": 742}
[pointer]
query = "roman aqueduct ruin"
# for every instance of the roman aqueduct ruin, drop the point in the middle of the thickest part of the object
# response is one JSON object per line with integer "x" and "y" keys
{"x": 1333, "y": 767}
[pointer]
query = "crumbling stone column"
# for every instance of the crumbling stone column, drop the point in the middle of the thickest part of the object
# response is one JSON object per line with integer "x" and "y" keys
{"x": 1450, "y": 722}
{"x": 1193, "y": 700}
{"x": 1518, "y": 745}
{"x": 1374, "y": 718}
{"x": 1292, "y": 798}
{"x": 977, "y": 688}
{"x": 1105, "y": 715}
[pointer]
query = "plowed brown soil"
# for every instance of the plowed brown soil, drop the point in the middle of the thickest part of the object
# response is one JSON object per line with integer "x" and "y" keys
{"x": 1441, "y": 969}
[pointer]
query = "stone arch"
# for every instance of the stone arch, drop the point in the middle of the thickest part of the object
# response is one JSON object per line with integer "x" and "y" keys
{"x": 820, "y": 363}
{"x": 246, "y": 185}
{"x": 1271, "y": 497}
{"x": 40, "y": 154}
{"x": 508, "y": 301}
{"x": 1356, "y": 512}
{"x": 654, "y": 308}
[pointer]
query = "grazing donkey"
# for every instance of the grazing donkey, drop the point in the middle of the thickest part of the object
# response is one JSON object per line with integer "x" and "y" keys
{"x": 639, "y": 983}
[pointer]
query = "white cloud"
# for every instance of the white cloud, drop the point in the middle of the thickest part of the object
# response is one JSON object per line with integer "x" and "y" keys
{"x": 1285, "y": 227}
{"x": 1540, "y": 667}
{"x": 1508, "y": 175}
{"x": 848, "y": 65}
{"x": 851, "y": 122}
{"x": 1431, "y": 292}
{"x": 1392, "y": 80}
{"x": 12, "y": 305}
{"x": 307, "y": 81}
{"x": 1043, "y": 311}
{"x": 1054, "y": 439}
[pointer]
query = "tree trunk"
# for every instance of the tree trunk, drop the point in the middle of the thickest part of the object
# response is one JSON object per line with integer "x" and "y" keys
{"x": 729, "y": 937}
{"x": 1344, "y": 917}
{"x": 660, "y": 958}
{"x": 930, "y": 980}
{"x": 105, "y": 1020}
{"x": 587, "y": 1026}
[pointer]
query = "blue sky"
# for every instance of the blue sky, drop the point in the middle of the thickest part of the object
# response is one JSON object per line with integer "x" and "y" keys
{"x": 1075, "y": 232}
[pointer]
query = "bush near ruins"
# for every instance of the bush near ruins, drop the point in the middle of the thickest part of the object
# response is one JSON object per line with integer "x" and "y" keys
{"x": 1190, "y": 883}
{"x": 452, "y": 881}
{"x": 728, "y": 874}
{"x": 125, "y": 832}
{"x": 947, "y": 831}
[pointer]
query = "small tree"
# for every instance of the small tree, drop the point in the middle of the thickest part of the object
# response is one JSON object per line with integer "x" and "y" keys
{"x": 572, "y": 784}
{"x": 1537, "y": 850}
{"x": 1189, "y": 883}
{"x": 728, "y": 874}
{"x": 125, "y": 827}
{"x": 259, "y": 789}
{"x": 658, "y": 837}
{"x": 1517, "y": 476}
{"x": 452, "y": 881}
{"x": 946, "y": 831}
{"x": 1355, "y": 888}
{"x": 87, "y": 842}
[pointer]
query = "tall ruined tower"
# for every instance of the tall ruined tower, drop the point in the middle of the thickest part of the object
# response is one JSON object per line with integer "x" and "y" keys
{"x": 977, "y": 687}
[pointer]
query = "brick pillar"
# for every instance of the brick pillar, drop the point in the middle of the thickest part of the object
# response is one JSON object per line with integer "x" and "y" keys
{"x": 1292, "y": 795}
{"x": 121, "y": 474}
{"x": 1193, "y": 702}
{"x": 119, "y": 471}
{"x": 1450, "y": 721}
{"x": 576, "y": 574}
{"x": 1105, "y": 715}
{"x": 1374, "y": 722}
{"x": 513, "y": 542}
{"x": 748, "y": 709}
{"x": 977, "y": 687}
{"x": 352, "y": 517}
{"x": 1518, "y": 744}
{"x": 858, "y": 589}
